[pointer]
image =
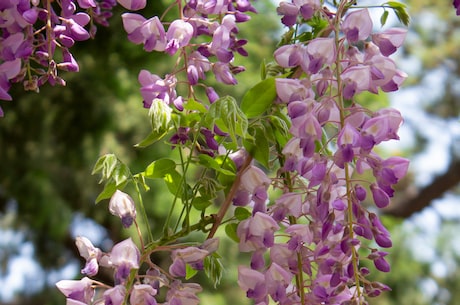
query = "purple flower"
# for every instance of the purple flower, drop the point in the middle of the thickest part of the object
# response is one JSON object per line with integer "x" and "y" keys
{"x": 81, "y": 290}
{"x": 290, "y": 55}
{"x": 320, "y": 51}
{"x": 456, "y": 4}
{"x": 154, "y": 87}
{"x": 356, "y": 79}
{"x": 133, "y": 5}
{"x": 191, "y": 255}
{"x": 381, "y": 198}
{"x": 223, "y": 73}
{"x": 253, "y": 282}
{"x": 179, "y": 34}
{"x": 379, "y": 260}
{"x": 277, "y": 280}
{"x": 256, "y": 232}
{"x": 197, "y": 66}
{"x": 115, "y": 295}
{"x": 90, "y": 253}
{"x": 289, "y": 90}
{"x": 123, "y": 206}
{"x": 124, "y": 256}
{"x": 289, "y": 11}
{"x": 148, "y": 32}
{"x": 389, "y": 40}
{"x": 357, "y": 25}
{"x": 222, "y": 39}
{"x": 86, "y": 3}
{"x": 183, "y": 294}
{"x": 143, "y": 294}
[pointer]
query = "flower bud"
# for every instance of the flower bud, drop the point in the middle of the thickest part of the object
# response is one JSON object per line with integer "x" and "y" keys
{"x": 160, "y": 115}
{"x": 122, "y": 205}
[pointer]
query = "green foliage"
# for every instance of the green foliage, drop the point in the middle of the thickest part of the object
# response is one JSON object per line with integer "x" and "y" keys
{"x": 227, "y": 115}
{"x": 259, "y": 98}
{"x": 214, "y": 268}
{"x": 400, "y": 10}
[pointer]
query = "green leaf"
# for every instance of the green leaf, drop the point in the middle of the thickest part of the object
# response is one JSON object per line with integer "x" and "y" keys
{"x": 230, "y": 230}
{"x": 258, "y": 146}
{"x": 383, "y": 18}
{"x": 400, "y": 10}
{"x": 213, "y": 268}
{"x": 242, "y": 213}
{"x": 280, "y": 124}
{"x": 121, "y": 174}
{"x": 189, "y": 272}
{"x": 100, "y": 163}
{"x": 201, "y": 203}
{"x": 191, "y": 104}
{"x": 173, "y": 181}
{"x": 259, "y": 98}
{"x": 159, "y": 168}
{"x": 109, "y": 165}
{"x": 109, "y": 189}
{"x": 151, "y": 138}
{"x": 210, "y": 162}
{"x": 226, "y": 114}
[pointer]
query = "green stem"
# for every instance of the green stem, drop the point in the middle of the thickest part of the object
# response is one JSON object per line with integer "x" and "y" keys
{"x": 341, "y": 105}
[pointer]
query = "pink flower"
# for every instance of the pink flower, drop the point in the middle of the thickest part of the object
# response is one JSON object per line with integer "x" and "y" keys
{"x": 122, "y": 205}
{"x": 124, "y": 256}
{"x": 133, "y": 5}
{"x": 389, "y": 40}
{"x": 90, "y": 253}
{"x": 253, "y": 282}
{"x": 320, "y": 51}
{"x": 115, "y": 295}
{"x": 179, "y": 34}
{"x": 357, "y": 25}
{"x": 80, "y": 290}
{"x": 148, "y": 32}
{"x": 290, "y": 55}
{"x": 143, "y": 294}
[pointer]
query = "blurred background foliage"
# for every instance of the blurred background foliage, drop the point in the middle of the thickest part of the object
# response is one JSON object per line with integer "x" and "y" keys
{"x": 50, "y": 141}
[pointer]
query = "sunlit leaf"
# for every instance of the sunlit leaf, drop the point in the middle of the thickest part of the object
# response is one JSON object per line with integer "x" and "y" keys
{"x": 151, "y": 138}
{"x": 259, "y": 98}
{"x": 159, "y": 168}
{"x": 189, "y": 272}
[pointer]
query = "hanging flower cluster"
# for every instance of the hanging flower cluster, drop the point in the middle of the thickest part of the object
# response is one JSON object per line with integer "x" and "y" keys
{"x": 320, "y": 219}
{"x": 36, "y": 37}
{"x": 294, "y": 160}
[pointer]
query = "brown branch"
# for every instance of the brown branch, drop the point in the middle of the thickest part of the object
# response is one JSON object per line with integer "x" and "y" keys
{"x": 228, "y": 200}
{"x": 441, "y": 184}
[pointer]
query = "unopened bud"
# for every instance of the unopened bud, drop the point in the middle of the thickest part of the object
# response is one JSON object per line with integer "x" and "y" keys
{"x": 160, "y": 115}
{"x": 122, "y": 205}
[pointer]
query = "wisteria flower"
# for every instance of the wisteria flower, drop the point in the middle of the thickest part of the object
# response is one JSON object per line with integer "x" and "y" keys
{"x": 143, "y": 294}
{"x": 179, "y": 34}
{"x": 149, "y": 32}
{"x": 357, "y": 25}
{"x": 133, "y": 5}
{"x": 124, "y": 256}
{"x": 90, "y": 253}
{"x": 80, "y": 290}
{"x": 115, "y": 295}
{"x": 389, "y": 40}
{"x": 123, "y": 206}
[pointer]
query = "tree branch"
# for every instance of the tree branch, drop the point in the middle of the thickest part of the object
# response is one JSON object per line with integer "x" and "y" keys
{"x": 405, "y": 207}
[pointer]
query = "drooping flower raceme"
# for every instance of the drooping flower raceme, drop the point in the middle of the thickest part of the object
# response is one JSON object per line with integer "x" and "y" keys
{"x": 306, "y": 239}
